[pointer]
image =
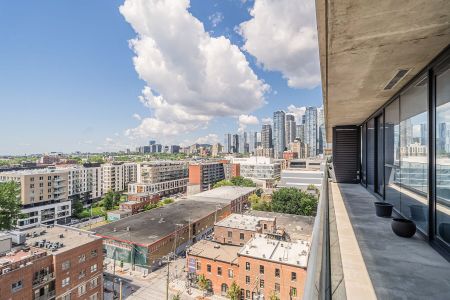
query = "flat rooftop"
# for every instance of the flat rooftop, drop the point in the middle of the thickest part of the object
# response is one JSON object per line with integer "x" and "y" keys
{"x": 19, "y": 255}
{"x": 243, "y": 222}
{"x": 222, "y": 194}
{"x": 34, "y": 172}
{"x": 150, "y": 226}
{"x": 69, "y": 237}
{"x": 289, "y": 253}
{"x": 296, "y": 227}
{"x": 215, "y": 251}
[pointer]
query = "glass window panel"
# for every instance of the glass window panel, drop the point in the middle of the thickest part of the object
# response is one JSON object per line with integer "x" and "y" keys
{"x": 363, "y": 154}
{"x": 443, "y": 155}
{"x": 392, "y": 153}
{"x": 380, "y": 180}
{"x": 413, "y": 153}
{"x": 371, "y": 154}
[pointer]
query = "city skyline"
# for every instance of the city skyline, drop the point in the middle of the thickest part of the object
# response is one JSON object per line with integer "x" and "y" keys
{"x": 92, "y": 71}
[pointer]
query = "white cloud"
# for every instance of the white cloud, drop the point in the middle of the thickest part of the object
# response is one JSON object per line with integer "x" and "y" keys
{"x": 267, "y": 120}
{"x": 191, "y": 77}
{"x": 246, "y": 120}
{"x": 137, "y": 117}
{"x": 211, "y": 138}
{"x": 297, "y": 111}
{"x": 282, "y": 35}
{"x": 109, "y": 140}
{"x": 216, "y": 18}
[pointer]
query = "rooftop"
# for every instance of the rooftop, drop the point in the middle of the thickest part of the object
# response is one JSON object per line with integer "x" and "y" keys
{"x": 297, "y": 227}
{"x": 244, "y": 222}
{"x": 150, "y": 226}
{"x": 33, "y": 172}
{"x": 68, "y": 237}
{"x": 215, "y": 251}
{"x": 222, "y": 194}
{"x": 290, "y": 253}
{"x": 300, "y": 178}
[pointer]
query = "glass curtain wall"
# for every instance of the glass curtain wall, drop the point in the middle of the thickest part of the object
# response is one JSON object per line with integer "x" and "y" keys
{"x": 392, "y": 153}
{"x": 443, "y": 154}
{"x": 413, "y": 153}
{"x": 380, "y": 162}
{"x": 370, "y": 154}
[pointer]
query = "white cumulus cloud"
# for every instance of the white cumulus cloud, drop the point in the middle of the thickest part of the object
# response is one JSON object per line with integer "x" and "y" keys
{"x": 282, "y": 35}
{"x": 137, "y": 117}
{"x": 190, "y": 76}
{"x": 246, "y": 120}
{"x": 297, "y": 111}
{"x": 211, "y": 138}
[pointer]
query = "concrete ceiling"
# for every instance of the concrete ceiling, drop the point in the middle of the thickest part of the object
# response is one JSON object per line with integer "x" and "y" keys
{"x": 366, "y": 43}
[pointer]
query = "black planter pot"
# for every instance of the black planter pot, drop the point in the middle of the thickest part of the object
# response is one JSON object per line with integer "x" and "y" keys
{"x": 403, "y": 227}
{"x": 383, "y": 209}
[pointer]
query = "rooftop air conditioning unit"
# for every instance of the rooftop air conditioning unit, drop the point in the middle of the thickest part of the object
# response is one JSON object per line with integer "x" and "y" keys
{"x": 6, "y": 270}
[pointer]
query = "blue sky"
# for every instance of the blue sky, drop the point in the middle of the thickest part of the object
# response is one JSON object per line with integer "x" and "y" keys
{"x": 68, "y": 81}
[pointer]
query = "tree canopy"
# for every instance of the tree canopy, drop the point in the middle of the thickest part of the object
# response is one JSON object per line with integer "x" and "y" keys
{"x": 235, "y": 181}
{"x": 294, "y": 201}
{"x": 9, "y": 205}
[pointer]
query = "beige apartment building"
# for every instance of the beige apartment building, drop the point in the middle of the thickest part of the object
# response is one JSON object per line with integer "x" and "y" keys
{"x": 160, "y": 171}
{"x": 116, "y": 176}
{"x": 43, "y": 194}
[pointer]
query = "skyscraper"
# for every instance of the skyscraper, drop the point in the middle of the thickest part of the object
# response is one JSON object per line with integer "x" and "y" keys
{"x": 311, "y": 130}
{"x": 290, "y": 128}
{"x": 266, "y": 136}
{"x": 279, "y": 142}
{"x": 242, "y": 143}
{"x": 301, "y": 132}
{"x": 251, "y": 140}
{"x": 227, "y": 143}
{"x": 235, "y": 143}
{"x": 321, "y": 138}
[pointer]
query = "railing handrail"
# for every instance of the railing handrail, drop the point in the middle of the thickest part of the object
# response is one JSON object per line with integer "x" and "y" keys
{"x": 318, "y": 282}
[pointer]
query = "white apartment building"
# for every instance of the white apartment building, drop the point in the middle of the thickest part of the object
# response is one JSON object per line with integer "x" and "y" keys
{"x": 116, "y": 176}
{"x": 161, "y": 171}
{"x": 84, "y": 181}
{"x": 162, "y": 188}
{"x": 43, "y": 195}
{"x": 258, "y": 167}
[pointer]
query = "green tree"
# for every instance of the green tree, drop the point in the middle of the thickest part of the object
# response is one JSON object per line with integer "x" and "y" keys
{"x": 176, "y": 297}
{"x": 294, "y": 201}
{"x": 241, "y": 181}
{"x": 274, "y": 296}
{"x": 108, "y": 201}
{"x": 9, "y": 205}
{"x": 224, "y": 182}
{"x": 168, "y": 201}
{"x": 116, "y": 198}
{"x": 234, "y": 292}
{"x": 77, "y": 207}
{"x": 203, "y": 283}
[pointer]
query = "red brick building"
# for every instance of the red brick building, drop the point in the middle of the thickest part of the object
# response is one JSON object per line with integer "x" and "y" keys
{"x": 137, "y": 202}
{"x": 57, "y": 261}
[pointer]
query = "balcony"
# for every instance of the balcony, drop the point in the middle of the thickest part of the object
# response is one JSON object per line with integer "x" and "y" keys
{"x": 355, "y": 254}
{"x": 42, "y": 279}
{"x": 47, "y": 296}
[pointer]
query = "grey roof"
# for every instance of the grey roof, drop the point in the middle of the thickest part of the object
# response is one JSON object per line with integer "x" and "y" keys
{"x": 297, "y": 227}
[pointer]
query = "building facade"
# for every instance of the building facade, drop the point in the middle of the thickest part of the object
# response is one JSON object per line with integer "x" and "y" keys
{"x": 279, "y": 135}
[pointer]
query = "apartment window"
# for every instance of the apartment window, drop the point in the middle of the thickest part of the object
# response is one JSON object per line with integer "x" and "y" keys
{"x": 41, "y": 197}
{"x": 230, "y": 273}
{"x": 66, "y": 297}
{"x": 65, "y": 265}
{"x": 82, "y": 274}
{"x": 49, "y": 177}
{"x": 208, "y": 268}
{"x": 261, "y": 283}
{"x": 32, "y": 186}
{"x": 41, "y": 184}
{"x": 32, "y": 179}
{"x": 93, "y": 268}
{"x": 230, "y": 234}
{"x": 81, "y": 258}
{"x": 293, "y": 292}
{"x": 241, "y": 236}
{"x": 293, "y": 276}
{"x": 247, "y": 294}
{"x": 49, "y": 184}
{"x": 277, "y": 272}
{"x": 277, "y": 287}
{"x": 94, "y": 282}
{"x": 247, "y": 266}
{"x": 65, "y": 282}
{"x": 93, "y": 297}
{"x": 49, "y": 191}
{"x": 261, "y": 269}
{"x": 81, "y": 289}
{"x": 247, "y": 279}
{"x": 16, "y": 286}
{"x": 198, "y": 266}
{"x": 94, "y": 253}
{"x": 41, "y": 178}
{"x": 265, "y": 226}
{"x": 219, "y": 271}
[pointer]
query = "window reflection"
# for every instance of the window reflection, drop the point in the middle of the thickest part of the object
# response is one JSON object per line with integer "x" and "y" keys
{"x": 392, "y": 153}
{"x": 443, "y": 155}
{"x": 413, "y": 153}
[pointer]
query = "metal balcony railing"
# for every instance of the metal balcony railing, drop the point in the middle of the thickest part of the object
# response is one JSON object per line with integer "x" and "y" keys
{"x": 47, "y": 296}
{"x": 43, "y": 279}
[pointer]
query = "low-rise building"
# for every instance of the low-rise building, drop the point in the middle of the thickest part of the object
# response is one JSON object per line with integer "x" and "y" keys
{"x": 143, "y": 240}
{"x": 137, "y": 202}
{"x": 258, "y": 167}
{"x": 56, "y": 262}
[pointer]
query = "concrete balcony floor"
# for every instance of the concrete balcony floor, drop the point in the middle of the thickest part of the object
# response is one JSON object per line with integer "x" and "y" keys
{"x": 397, "y": 268}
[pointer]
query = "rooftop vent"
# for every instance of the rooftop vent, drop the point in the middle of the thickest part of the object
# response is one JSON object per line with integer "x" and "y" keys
{"x": 217, "y": 246}
{"x": 401, "y": 73}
